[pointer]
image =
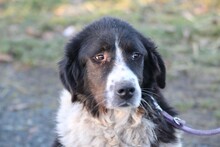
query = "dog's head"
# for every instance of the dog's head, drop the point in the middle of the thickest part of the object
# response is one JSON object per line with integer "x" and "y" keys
{"x": 108, "y": 63}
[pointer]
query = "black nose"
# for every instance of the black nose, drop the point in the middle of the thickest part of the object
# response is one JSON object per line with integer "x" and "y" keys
{"x": 125, "y": 91}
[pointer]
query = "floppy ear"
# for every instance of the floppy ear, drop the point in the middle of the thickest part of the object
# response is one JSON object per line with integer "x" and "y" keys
{"x": 153, "y": 65}
{"x": 158, "y": 68}
{"x": 70, "y": 68}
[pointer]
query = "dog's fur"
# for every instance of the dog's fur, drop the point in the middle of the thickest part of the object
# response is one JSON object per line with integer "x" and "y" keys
{"x": 109, "y": 72}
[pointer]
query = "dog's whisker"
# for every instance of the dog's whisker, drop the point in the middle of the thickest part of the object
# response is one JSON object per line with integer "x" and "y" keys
{"x": 145, "y": 93}
{"x": 98, "y": 104}
{"x": 147, "y": 88}
{"x": 145, "y": 102}
{"x": 91, "y": 97}
{"x": 149, "y": 92}
{"x": 142, "y": 106}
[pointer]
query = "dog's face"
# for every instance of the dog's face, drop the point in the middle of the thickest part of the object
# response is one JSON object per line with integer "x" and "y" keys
{"x": 108, "y": 63}
{"x": 114, "y": 69}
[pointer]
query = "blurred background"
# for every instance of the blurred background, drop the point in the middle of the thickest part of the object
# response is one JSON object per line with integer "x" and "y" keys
{"x": 32, "y": 37}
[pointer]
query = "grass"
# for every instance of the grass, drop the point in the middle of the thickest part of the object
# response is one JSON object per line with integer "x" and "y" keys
{"x": 209, "y": 104}
{"x": 217, "y": 115}
{"x": 184, "y": 107}
{"x": 26, "y": 25}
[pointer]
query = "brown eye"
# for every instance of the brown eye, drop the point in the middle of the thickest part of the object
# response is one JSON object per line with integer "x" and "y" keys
{"x": 136, "y": 55}
{"x": 100, "y": 57}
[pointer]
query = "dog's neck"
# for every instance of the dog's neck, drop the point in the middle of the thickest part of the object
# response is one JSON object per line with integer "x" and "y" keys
{"x": 120, "y": 127}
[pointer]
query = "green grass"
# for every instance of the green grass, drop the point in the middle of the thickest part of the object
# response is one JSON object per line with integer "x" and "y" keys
{"x": 209, "y": 104}
{"x": 184, "y": 107}
{"x": 165, "y": 25}
{"x": 217, "y": 114}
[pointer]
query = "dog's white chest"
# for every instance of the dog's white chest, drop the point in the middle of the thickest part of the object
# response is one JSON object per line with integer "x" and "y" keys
{"x": 76, "y": 127}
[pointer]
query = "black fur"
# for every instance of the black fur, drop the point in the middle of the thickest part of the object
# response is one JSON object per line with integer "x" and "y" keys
{"x": 57, "y": 143}
{"x": 74, "y": 75}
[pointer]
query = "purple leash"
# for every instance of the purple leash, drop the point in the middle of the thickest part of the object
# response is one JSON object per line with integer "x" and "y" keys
{"x": 181, "y": 125}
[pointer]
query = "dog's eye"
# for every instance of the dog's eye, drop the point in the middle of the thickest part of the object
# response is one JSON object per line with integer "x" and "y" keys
{"x": 100, "y": 57}
{"x": 136, "y": 55}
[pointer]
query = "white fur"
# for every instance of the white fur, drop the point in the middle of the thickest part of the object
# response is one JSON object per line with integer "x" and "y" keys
{"x": 124, "y": 127}
{"x": 119, "y": 127}
{"x": 177, "y": 144}
{"x": 120, "y": 73}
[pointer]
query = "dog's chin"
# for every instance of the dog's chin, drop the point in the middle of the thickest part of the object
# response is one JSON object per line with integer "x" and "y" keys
{"x": 122, "y": 105}
{"x": 125, "y": 104}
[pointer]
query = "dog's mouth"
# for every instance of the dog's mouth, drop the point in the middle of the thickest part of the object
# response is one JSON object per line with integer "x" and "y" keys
{"x": 115, "y": 103}
{"x": 125, "y": 104}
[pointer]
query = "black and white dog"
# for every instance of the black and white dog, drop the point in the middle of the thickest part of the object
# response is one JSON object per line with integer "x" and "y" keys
{"x": 110, "y": 71}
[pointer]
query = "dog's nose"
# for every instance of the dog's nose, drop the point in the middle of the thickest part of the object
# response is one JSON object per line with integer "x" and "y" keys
{"x": 125, "y": 91}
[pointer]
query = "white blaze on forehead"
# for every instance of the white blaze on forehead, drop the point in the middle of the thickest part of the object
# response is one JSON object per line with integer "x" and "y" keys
{"x": 119, "y": 56}
{"x": 121, "y": 73}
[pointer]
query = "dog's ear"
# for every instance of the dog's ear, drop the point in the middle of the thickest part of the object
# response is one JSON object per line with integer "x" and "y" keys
{"x": 70, "y": 68}
{"x": 158, "y": 68}
{"x": 153, "y": 65}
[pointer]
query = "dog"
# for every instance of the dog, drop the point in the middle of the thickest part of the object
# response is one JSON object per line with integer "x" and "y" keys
{"x": 110, "y": 71}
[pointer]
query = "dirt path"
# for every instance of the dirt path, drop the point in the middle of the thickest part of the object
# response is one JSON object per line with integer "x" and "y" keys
{"x": 28, "y": 103}
{"x": 196, "y": 94}
{"x": 29, "y": 98}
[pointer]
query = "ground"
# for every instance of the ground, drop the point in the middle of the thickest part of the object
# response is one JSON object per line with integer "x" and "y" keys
{"x": 28, "y": 106}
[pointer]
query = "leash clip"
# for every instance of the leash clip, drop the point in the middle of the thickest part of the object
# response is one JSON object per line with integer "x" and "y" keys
{"x": 177, "y": 121}
{"x": 157, "y": 106}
